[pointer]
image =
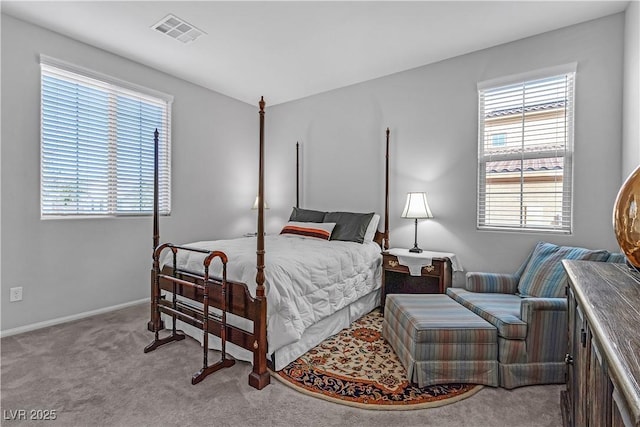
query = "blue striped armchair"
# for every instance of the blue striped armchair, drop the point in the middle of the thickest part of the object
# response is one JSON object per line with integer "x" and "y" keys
{"x": 529, "y": 310}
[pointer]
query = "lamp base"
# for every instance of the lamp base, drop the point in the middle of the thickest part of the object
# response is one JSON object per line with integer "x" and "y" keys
{"x": 415, "y": 249}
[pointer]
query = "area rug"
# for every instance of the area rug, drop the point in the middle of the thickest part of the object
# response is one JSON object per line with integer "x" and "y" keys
{"x": 357, "y": 367}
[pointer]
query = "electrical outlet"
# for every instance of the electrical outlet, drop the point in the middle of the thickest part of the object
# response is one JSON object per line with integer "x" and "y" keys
{"x": 15, "y": 294}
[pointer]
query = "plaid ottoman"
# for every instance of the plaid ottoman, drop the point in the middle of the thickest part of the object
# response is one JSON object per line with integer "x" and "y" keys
{"x": 439, "y": 341}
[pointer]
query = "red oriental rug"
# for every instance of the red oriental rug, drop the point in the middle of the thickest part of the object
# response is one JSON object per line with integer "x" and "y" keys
{"x": 357, "y": 367}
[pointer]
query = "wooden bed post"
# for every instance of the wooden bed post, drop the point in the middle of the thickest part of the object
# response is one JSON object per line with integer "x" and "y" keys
{"x": 155, "y": 323}
{"x": 259, "y": 376}
{"x": 382, "y": 238}
{"x": 386, "y": 198}
{"x": 297, "y": 174}
{"x": 156, "y": 172}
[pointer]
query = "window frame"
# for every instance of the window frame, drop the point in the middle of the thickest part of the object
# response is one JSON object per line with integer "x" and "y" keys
{"x": 114, "y": 87}
{"x": 565, "y": 226}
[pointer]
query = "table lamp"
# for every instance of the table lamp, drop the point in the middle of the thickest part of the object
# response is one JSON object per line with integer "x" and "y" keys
{"x": 255, "y": 208}
{"x": 416, "y": 208}
{"x": 255, "y": 204}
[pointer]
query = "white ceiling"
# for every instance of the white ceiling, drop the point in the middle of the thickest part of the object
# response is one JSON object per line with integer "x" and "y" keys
{"x": 290, "y": 50}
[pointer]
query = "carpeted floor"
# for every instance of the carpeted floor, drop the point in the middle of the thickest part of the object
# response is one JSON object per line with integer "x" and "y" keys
{"x": 93, "y": 372}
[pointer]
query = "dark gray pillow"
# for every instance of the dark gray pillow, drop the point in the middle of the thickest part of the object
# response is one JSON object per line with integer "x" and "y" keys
{"x": 306, "y": 215}
{"x": 350, "y": 227}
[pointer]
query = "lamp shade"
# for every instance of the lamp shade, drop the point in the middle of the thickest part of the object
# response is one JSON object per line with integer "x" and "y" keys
{"x": 416, "y": 206}
{"x": 255, "y": 204}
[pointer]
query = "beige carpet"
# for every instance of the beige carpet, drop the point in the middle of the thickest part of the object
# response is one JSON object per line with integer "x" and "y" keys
{"x": 93, "y": 372}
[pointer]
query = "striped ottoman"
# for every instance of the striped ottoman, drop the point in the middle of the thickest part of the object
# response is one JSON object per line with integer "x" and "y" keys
{"x": 439, "y": 341}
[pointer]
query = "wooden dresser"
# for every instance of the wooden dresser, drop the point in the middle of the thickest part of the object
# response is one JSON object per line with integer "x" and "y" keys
{"x": 603, "y": 359}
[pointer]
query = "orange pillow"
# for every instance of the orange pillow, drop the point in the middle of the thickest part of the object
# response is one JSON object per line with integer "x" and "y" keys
{"x": 313, "y": 230}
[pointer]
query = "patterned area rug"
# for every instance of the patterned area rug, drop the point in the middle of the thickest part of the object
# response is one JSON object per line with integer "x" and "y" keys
{"x": 357, "y": 367}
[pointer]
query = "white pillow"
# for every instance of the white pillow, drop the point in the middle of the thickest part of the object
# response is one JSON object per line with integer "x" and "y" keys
{"x": 312, "y": 230}
{"x": 372, "y": 228}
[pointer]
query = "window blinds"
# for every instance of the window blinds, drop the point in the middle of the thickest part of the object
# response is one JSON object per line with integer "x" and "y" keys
{"x": 525, "y": 154}
{"x": 97, "y": 145}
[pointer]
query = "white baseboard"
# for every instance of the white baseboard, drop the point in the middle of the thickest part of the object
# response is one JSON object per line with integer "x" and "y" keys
{"x": 40, "y": 325}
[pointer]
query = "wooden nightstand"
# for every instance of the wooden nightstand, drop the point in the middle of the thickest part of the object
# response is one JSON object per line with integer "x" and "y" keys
{"x": 433, "y": 279}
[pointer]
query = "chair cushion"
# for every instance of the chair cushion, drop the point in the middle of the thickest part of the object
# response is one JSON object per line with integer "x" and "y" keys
{"x": 544, "y": 275}
{"x": 501, "y": 310}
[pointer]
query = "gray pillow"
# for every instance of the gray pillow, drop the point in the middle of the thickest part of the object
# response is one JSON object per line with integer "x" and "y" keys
{"x": 350, "y": 227}
{"x": 306, "y": 215}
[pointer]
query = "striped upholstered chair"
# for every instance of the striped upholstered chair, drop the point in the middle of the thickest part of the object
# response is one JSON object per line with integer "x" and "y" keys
{"x": 529, "y": 310}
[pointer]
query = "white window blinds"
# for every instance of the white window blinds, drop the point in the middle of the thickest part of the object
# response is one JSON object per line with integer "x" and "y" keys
{"x": 97, "y": 144}
{"x": 525, "y": 154}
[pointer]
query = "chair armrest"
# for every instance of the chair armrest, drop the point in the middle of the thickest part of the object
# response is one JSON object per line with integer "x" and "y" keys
{"x": 617, "y": 257}
{"x": 546, "y": 320}
{"x": 492, "y": 282}
{"x": 529, "y": 305}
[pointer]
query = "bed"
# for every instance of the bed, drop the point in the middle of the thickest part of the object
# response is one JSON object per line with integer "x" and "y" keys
{"x": 269, "y": 310}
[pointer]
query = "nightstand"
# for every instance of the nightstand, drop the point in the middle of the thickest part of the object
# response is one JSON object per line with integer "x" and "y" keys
{"x": 434, "y": 277}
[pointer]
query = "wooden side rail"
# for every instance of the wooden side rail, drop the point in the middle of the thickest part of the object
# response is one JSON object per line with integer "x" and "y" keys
{"x": 192, "y": 315}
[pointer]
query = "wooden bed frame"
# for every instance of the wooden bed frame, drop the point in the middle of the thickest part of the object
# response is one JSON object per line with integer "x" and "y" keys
{"x": 225, "y": 295}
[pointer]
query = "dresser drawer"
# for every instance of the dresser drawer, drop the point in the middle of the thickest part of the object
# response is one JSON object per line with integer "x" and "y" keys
{"x": 390, "y": 263}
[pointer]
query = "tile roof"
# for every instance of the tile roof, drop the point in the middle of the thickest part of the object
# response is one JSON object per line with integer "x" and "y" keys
{"x": 518, "y": 110}
{"x": 541, "y": 164}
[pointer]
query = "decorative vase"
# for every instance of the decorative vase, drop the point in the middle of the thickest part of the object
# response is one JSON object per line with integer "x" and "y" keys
{"x": 626, "y": 218}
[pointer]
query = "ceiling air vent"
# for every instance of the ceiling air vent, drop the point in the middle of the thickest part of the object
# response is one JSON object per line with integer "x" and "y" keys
{"x": 178, "y": 29}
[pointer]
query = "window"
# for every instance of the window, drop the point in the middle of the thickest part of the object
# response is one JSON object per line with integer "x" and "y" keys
{"x": 97, "y": 144}
{"x": 525, "y": 152}
{"x": 498, "y": 140}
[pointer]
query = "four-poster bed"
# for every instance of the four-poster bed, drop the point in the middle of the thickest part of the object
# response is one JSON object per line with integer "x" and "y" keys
{"x": 227, "y": 305}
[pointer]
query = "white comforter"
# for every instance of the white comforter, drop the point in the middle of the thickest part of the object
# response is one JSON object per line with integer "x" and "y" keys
{"x": 306, "y": 279}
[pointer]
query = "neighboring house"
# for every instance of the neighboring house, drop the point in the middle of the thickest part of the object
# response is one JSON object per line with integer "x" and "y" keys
{"x": 536, "y": 160}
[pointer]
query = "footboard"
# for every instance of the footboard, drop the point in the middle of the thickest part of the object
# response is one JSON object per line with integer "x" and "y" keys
{"x": 224, "y": 295}
{"x": 227, "y": 296}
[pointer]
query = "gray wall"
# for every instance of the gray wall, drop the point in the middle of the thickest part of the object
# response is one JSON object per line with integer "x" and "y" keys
{"x": 432, "y": 112}
{"x": 631, "y": 97}
{"x": 72, "y": 266}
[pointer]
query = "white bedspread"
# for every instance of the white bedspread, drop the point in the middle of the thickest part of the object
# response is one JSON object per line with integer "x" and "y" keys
{"x": 306, "y": 280}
